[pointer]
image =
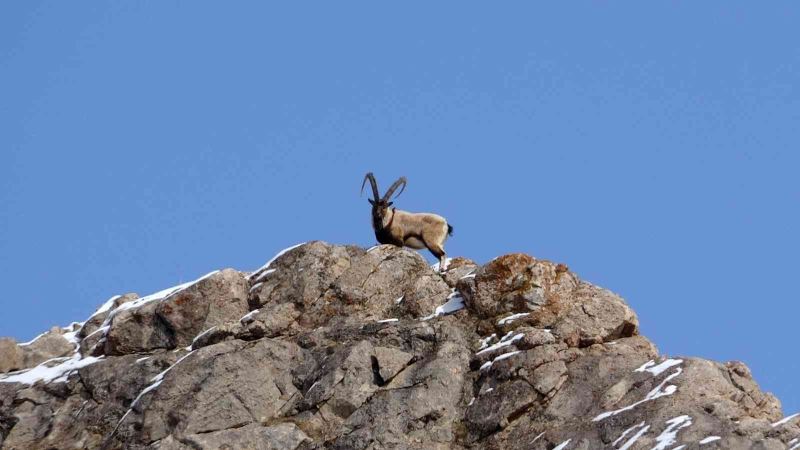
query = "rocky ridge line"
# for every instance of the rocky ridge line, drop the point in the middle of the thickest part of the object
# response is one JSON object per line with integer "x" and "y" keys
{"x": 338, "y": 347}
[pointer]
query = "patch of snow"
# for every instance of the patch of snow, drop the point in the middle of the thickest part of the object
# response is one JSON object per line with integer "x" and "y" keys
{"x": 506, "y": 355}
{"x": 537, "y": 437}
{"x": 247, "y": 317}
{"x": 24, "y": 344}
{"x": 265, "y": 274}
{"x": 143, "y": 359}
{"x": 46, "y": 373}
{"x": 656, "y": 370}
{"x": 670, "y": 434}
{"x": 658, "y": 392}
{"x": 373, "y": 248}
{"x": 71, "y": 333}
{"x": 488, "y": 364}
{"x": 191, "y": 346}
{"x": 469, "y": 275}
{"x": 795, "y": 446}
{"x": 255, "y": 286}
{"x": 397, "y": 302}
{"x": 794, "y": 440}
{"x": 278, "y": 255}
{"x": 485, "y": 341}
{"x": 454, "y": 303}
{"x": 471, "y": 401}
{"x": 710, "y": 439}
{"x": 103, "y": 329}
{"x": 562, "y": 445}
{"x": 106, "y": 306}
{"x": 785, "y": 420}
{"x": 504, "y": 342}
{"x": 625, "y": 433}
{"x": 388, "y": 320}
{"x": 511, "y": 318}
{"x": 488, "y": 390}
{"x": 635, "y": 437}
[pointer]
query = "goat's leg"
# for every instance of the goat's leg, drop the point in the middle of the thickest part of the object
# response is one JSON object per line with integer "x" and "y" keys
{"x": 438, "y": 251}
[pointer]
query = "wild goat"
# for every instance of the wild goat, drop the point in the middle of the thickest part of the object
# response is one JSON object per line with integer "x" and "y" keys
{"x": 402, "y": 228}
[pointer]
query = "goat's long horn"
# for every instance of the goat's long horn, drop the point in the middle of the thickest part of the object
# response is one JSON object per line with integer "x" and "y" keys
{"x": 388, "y": 195}
{"x": 374, "y": 184}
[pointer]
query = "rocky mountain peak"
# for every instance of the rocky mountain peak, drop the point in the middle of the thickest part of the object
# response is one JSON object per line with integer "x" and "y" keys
{"x": 341, "y": 347}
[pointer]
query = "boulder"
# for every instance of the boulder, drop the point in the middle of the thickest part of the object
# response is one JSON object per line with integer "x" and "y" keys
{"x": 11, "y": 357}
{"x": 175, "y": 320}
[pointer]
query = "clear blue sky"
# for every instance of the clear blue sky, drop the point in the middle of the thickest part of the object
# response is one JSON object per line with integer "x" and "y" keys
{"x": 654, "y": 149}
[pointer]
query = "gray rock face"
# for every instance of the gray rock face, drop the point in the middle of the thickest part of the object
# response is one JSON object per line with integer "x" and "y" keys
{"x": 337, "y": 347}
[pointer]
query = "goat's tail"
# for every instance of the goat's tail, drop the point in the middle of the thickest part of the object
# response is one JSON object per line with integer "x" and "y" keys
{"x": 449, "y": 230}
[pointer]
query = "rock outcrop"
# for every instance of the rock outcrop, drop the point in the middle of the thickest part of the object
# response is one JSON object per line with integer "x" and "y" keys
{"x": 337, "y": 347}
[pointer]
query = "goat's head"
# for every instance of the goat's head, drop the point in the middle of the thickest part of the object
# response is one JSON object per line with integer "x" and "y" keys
{"x": 381, "y": 204}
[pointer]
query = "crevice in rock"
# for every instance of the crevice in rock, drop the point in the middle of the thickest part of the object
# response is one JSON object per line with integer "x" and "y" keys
{"x": 376, "y": 371}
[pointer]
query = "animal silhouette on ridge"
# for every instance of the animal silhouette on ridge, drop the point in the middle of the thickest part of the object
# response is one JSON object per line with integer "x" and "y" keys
{"x": 403, "y": 228}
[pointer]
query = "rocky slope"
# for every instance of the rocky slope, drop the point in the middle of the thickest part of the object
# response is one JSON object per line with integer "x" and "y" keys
{"x": 344, "y": 348}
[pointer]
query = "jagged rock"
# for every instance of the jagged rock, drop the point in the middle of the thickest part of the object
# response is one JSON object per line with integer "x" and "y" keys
{"x": 327, "y": 281}
{"x": 137, "y": 330}
{"x": 96, "y": 321}
{"x": 390, "y": 362}
{"x": 299, "y": 355}
{"x": 11, "y": 357}
{"x": 214, "y": 300}
{"x": 549, "y": 296}
{"x": 284, "y": 436}
{"x": 177, "y": 319}
{"x": 47, "y": 346}
{"x": 457, "y": 269}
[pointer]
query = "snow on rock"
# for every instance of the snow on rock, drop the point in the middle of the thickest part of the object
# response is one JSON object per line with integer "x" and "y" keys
{"x": 642, "y": 429}
{"x": 488, "y": 364}
{"x": 625, "y": 433}
{"x": 670, "y": 434}
{"x": 562, "y": 445}
{"x": 71, "y": 333}
{"x": 154, "y": 383}
{"x": 511, "y": 318}
{"x": 264, "y": 275}
{"x": 507, "y": 340}
{"x": 659, "y": 391}
{"x": 25, "y": 344}
{"x": 158, "y": 296}
{"x": 249, "y": 316}
{"x": 388, "y": 320}
{"x": 710, "y": 439}
{"x": 269, "y": 263}
{"x": 656, "y": 370}
{"x": 785, "y": 420}
{"x": 107, "y": 306}
{"x": 455, "y": 302}
{"x": 191, "y": 347}
{"x": 485, "y": 341}
{"x": 46, "y": 372}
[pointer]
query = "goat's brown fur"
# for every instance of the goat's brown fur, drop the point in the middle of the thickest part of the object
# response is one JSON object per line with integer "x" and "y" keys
{"x": 405, "y": 229}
